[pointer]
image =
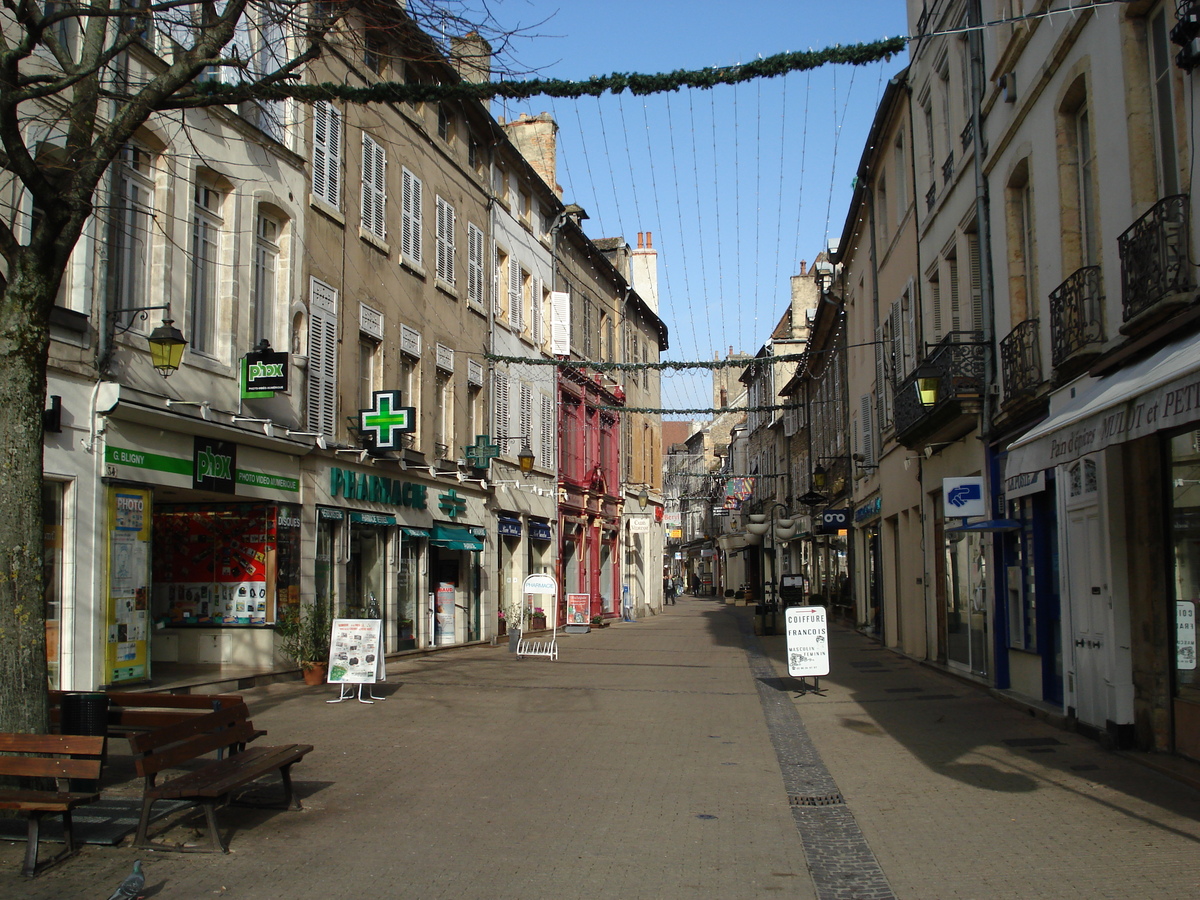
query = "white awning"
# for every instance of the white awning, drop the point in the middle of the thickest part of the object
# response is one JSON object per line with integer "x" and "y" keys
{"x": 1157, "y": 393}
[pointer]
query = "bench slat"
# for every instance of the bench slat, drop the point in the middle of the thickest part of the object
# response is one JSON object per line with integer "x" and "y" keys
{"x": 43, "y": 801}
{"x": 238, "y": 770}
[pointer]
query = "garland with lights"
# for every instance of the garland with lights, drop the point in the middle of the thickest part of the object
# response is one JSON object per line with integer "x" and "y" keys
{"x": 672, "y": 365}
{"x": 397, "y": 92}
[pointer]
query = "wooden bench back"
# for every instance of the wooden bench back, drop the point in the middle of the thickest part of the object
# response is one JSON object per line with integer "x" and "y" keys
{"x": 128, "y": 710}
{"x": 197, "y": 736}
{"x": 55, "y": 755}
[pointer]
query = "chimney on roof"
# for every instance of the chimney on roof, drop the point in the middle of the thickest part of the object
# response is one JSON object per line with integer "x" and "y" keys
{"x": 643, "y": 267}
{"x": 536, "y": 137}
{"x": 471, "y": 57}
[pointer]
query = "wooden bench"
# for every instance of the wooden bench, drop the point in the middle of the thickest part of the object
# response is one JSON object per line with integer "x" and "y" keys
{"x": 213, "y": 782}
{"x": 130, "y": 711}
{"x": 58, "y": 756}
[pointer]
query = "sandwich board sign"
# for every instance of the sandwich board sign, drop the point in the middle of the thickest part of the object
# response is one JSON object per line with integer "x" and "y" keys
{"x": 807, "y": 641}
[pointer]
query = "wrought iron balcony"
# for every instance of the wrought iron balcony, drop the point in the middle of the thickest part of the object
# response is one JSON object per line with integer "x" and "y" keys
{"x": 1076, "y": 321}
{"x": 968, "y": 135}
{"x": 1154, "y": 258}
{"x": 958, "y": 359}
{"x": 948, "y": 169}
{"x": 1021, "y": 361}
{"x": 931, "y": 196}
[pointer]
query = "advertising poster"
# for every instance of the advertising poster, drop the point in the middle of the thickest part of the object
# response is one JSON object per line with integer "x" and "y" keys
{"x": 128, "y": 614}
{"x": 444, "y": 608}
{"x": 578, "y": 609}
{"x": 354, "y": 652}
{"x": 213, "y": 566}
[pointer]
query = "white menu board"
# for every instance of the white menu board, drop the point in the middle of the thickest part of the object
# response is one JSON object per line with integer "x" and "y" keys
{"x": 807, "y": 641}
{"x": 355, "y": 651}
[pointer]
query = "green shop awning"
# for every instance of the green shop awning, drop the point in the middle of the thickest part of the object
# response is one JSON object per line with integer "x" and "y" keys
{"x": 454, "y": 538}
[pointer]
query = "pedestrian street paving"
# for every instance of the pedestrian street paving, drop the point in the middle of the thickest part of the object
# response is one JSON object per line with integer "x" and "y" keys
{"x": 671, "y": 758}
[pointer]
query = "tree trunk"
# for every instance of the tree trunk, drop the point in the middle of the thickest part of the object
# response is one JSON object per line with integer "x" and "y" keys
{"x": 24, "y": 311}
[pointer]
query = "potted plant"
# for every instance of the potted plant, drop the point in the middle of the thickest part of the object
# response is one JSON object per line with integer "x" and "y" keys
{"x": 501, "y": 623}
{"x": 598, "y": 622}
{"x": 304, "y": 638}
{"x": 537, "y": 618}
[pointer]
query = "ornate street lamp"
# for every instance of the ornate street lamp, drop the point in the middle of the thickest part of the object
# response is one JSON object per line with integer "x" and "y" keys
{"x": 928, "y": 380}
{"x": 166, "y": 347}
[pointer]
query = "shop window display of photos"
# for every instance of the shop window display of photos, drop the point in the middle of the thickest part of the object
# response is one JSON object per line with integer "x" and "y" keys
{"x": 225, "y": 565}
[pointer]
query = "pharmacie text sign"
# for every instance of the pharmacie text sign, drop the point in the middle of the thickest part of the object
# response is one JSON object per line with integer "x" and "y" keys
{"x": 807, "y": 641}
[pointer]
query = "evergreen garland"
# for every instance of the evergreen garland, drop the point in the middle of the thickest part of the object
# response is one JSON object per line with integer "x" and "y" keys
{"x": 672, "y": 365}
{"x": 396, "y": 92}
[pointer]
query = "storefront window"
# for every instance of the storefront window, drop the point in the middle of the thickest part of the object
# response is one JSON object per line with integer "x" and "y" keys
{"x": 1185, "y": 527}
{"x": 224, "y": 564}
{"x": 52, "y": 560}
{"x": 328, "y": 522}
{"x": 364, "y": 573}
{"x": 409, "y": 589}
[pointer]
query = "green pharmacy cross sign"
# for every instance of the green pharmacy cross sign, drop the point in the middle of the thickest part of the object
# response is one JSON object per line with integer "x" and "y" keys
{"x": 380, "y": 424}
{"x": 452, "y": 504}
{"x": 481, "y": 452}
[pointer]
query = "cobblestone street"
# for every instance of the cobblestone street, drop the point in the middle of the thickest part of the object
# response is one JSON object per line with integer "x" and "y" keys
{"x": 670, "y": 758}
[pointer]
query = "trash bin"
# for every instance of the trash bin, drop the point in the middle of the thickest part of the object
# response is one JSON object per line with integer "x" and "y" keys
{"x": 86, "y": 713}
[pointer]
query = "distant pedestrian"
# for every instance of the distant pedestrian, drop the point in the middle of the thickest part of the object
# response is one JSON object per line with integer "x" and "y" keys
{"x": 695, "y": 585}
{"x": 668, "y": 591}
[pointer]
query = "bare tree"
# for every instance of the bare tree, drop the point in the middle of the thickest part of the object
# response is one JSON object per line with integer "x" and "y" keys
{"x": 77, "y": 80}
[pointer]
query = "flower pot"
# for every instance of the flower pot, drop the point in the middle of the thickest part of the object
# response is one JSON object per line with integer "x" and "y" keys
{"x": 537, "y": 623}
{"x": 502, "y": 627}
{"x": 314, "y": 672}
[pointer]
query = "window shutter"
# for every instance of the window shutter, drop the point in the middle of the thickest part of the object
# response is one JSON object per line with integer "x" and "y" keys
{"x": 535, "y": 309}
{"x": 327, "y": 153}
{"x": 474, "y": 264}
{"x": 935, "y": 298}
{"x": 883, "y": 381}
{"x": 497, "y": 296}
{"x": 526, "y": 412}
{"x": 499, "y": 404}
{"x": 976, "y": 282}
{"x": 955, "y": 309}
{"x": 374, "y": 188}
{"x": 895, "y": 318}
{"x": 909, "y": 312}
{"x": 515, "y": 313}
{"x": 322, "y": 359}
{"x": 410, "y": 216}
{"x": 868, "y": 443}
{"x": 560, "y": 323}
{"x": 548, "y": 425}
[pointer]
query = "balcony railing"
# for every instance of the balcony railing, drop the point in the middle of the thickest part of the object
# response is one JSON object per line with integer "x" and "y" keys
{"x": 1021, "y": 361}
{"x": 959, "y": 361}
{"x": 968, "y": 135}
{"x": 1154, "y": 256}
{"x": 931, "y": 196}
{"x": 1077, "y": 316}
{"x": 948, "y": 169}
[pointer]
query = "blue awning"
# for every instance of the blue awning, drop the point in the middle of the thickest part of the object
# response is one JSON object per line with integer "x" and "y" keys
{"x": 507, "y": 525}
{"x": 989, "y": 525}
{"x": 454, "y": 538}
{"x": 539, "y": 531}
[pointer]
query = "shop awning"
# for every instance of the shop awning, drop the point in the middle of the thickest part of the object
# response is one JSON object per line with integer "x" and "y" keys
{"x": 1157, "y": 393}
{"x": 992, "y": 525}
{"x": 540, "y": 531}
{"x": 413, "y": 532}
{"x": 508, "y": 525}
{"x": 453, "y": 538}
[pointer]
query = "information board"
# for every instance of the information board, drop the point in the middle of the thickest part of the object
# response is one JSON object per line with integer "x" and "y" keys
{"x": 355, "y": 655}
{"x": 807, "y": 641}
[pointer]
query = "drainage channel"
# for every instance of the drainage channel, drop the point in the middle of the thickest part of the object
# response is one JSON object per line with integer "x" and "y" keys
{"x": 841, "y": 862}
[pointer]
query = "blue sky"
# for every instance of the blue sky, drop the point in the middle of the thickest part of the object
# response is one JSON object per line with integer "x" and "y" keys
{"x": 737, "y": 184}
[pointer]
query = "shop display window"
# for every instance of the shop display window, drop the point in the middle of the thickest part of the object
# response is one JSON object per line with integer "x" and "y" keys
{"x": 1185, "y": 534}
{"x": 232, "y": 564}
{"x": 52, "y": 560}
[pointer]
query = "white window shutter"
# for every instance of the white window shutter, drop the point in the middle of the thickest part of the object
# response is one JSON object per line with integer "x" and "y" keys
{"x": 535, "y": 309}
{"x": 499, "y": 404}
{"x": 374, "y": 187}
{"x": 497, "y": 296}
{"x": 526, "y": 411}
{"x": 410, "y": 216}
{"x": 548, "y": 426}
{"x": 322, "y": 359}
{"x": 560, "y": 323}
{"x": 514, "y": 293}
{"x": 474, "y": 264}
{"x": 327, "y": 153}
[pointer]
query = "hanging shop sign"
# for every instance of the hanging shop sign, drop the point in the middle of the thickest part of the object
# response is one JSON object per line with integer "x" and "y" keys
{"x": 213, "y": 465}
{"x": 963, "y": 497}
{"x": 381, "y": 426}
{"x": 540, "y": 531}
{"x": 264, "y": 373}
{"x": 807, "y": 641}
{"x": 479, "y": 454}
{"x": 639, "y": 524}
{"x": 832, "y": 521}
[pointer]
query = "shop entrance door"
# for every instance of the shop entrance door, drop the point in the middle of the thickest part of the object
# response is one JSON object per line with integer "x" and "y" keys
{"x": 966, "y": 602}
{"x": 1087, "y": 594}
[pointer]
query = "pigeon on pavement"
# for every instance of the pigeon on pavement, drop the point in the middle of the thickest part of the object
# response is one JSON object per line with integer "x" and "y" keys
{"x": 131, "y": 887}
